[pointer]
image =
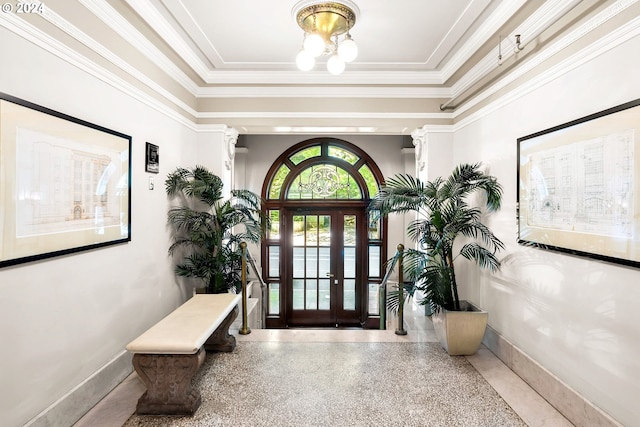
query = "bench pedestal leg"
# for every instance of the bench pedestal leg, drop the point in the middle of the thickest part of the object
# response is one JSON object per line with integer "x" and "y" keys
{"x": 220, "y": 340}
{"x": 168, "y": 380}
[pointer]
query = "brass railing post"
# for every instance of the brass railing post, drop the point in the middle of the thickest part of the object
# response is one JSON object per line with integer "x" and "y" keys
{"x": 400, "y": 330}
{"x": 382, "y": 297}
{"x": 244, "y": 330}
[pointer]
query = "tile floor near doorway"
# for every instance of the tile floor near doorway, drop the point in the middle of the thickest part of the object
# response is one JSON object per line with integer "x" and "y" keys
{"x": 117, "y": 407}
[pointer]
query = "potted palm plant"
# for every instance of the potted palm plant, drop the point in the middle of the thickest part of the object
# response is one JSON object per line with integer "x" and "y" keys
{"x": 445, "y": 214}
{"x": 207, "y": 230}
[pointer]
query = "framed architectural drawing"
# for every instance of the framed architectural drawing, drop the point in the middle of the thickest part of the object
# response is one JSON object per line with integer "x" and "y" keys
{"x": 578, "y": 186}
{"x": 65, "y": 184}
{"x": 152, "y": 158}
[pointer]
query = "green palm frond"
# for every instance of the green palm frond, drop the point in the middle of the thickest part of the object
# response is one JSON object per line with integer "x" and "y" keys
{"x": 208, "y": 229}
{"x": 444, "y": 213}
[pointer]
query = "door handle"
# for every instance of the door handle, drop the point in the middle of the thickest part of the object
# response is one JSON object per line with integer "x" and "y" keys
{"x": 329, "y": 274}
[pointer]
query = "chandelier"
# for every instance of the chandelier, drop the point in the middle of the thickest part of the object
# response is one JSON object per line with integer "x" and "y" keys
{"x": 323, "y": 23}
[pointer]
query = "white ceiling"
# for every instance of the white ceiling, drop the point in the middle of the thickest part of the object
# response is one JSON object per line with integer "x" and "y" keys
{"x": 263, "y": 35}
{"x": 232, "y": 62}
{"x": 257, "y": 40}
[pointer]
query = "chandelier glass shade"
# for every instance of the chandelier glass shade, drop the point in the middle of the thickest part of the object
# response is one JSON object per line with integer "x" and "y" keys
{"x": 326, "y": 28}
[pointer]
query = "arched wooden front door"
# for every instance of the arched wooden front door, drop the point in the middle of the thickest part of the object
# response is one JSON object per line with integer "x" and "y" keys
{"x": 322, "y": 258}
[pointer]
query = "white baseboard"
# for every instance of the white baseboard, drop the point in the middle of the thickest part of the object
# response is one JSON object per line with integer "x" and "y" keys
{"x": 567, "y": 401}
{"x": 72, "y": 406}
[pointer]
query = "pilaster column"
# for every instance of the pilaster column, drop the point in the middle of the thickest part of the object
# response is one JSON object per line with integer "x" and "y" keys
{"x": 434, "y": 151}
{"x": 230, "y": 141}
{"x": 419, "y": 142}
{"x": 216, "y": 151}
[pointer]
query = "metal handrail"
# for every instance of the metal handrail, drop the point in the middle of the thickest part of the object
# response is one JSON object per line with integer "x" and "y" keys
{"x": 382, "y": 289}
{"x": 400, "y": 329}
{"x": 263, "y": 286}
{"x": 244, "y": 330}
{"x": 247, "y": 258}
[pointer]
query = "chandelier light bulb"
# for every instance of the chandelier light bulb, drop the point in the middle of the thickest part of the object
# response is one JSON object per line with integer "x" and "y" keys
{"x": 335, "y": 65}
{"x": 314, "y": 44}
{"x": 348, "y": 50}
{"x": 305, "y": 60}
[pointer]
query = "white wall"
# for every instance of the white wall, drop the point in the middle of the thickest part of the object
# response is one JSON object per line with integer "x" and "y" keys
{"x": 66, "y": 318}
{"x": 577, "y": 317}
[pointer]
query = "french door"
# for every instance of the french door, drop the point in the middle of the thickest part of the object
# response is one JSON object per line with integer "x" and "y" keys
{"x": 324, "y": 266}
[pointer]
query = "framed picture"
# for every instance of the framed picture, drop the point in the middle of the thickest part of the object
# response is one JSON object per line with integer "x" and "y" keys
{"x": 65, "y": 184}
{"x": 578, "y": 186}
{"x": 152, "y": 158}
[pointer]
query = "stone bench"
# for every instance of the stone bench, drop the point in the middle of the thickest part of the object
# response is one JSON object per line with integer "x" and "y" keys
{"x": 168, "y": 355}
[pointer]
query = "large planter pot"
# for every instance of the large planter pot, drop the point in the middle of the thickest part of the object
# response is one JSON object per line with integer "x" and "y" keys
{"x": 460, "y": 332}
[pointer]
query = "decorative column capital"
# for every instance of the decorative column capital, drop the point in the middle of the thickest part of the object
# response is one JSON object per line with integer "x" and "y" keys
{"x": 230, "y": 141}
{"x": 419, "y": 140}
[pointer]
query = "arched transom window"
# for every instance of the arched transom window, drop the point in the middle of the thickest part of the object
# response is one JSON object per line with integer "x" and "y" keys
{"x": 326, "y": 169}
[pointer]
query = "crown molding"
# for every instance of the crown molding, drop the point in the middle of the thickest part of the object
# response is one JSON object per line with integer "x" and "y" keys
{"x": 613, "y": 39}
{"x": 319, "y": 115}
{"x": 496, "y": 20}
{"x": 148, "y": 13}
{"x": 349, "y": 77}
{"x": 25, "y": 30}
{"x": 98, "y": 48}
{"x": 542, "y": 19}
{"x": 324, "y": 92}
{"x": 121, "y": 26}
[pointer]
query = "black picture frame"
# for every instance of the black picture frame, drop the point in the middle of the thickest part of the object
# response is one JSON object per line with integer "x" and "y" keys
{"x": 152, "y": 158}
{"x": 578, "y": 186}
{"x": 66, "y": 183}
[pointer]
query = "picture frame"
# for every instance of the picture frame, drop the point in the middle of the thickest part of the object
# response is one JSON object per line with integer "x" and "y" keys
{"x": 578, "y": 186}
{"x": 65, "y": 184}
{"x": 152, "y": 158}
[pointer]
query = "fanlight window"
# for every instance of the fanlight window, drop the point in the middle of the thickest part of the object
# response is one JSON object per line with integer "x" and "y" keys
{"x": 323, "y": 171}
{"x": 324, "y": 182}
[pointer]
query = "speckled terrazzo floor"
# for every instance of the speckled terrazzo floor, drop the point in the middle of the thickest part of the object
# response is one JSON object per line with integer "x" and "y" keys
{"x": 341, "y": 384}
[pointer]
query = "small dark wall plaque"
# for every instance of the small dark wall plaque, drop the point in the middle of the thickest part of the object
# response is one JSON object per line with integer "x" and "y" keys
{"x": 152, "y": 158}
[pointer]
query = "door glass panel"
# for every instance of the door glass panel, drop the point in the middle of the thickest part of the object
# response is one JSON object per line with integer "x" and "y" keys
{"x": 324, "y": 294}
{"x": 374, "y": 298}
{"x": 274, "y": 261}
{"x": 324, "y": 228}
{"x": 349, "y": 294}
{"x": 324, "y": 263}
{"x": 349, "y": 230}
{"x": 298, "y": 230}
{"x": 312, "y": 230}
{"x": 274, "y": 227}
{"x": 298, "y": 262}
{"x": 374, "y": 261}
{"x": 374, "y": 225}
{"x": 312, "y": 294}
{"x": 350, "y": 263}
{"x": 312, "y": 262}
{"x": 274, "y": 298}
{"x": 298, "y": 294}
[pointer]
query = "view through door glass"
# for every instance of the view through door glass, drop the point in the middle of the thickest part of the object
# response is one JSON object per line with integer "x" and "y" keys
{"x": 324, "y": 287}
